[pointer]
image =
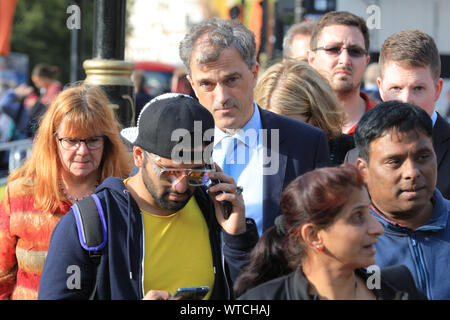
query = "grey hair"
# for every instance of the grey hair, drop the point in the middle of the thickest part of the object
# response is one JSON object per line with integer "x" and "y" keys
{"x": 213, "y": 35}
{"x": 305, "y": 27}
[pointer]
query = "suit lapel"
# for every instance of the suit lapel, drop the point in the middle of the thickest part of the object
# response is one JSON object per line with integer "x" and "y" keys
{"x": 272, "y": 183}
{"x": 441, "y": 138}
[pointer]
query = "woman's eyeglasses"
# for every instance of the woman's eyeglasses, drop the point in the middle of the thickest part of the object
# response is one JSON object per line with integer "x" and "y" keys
{"x": 169, "y": 176}
{"x": 354, "y": 52}
{"x": 73, "y": 143}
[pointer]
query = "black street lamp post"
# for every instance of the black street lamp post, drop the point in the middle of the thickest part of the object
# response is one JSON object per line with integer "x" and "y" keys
{"x": 107, "y": 67}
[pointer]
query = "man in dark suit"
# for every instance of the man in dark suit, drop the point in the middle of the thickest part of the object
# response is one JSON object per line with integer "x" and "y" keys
{"x": 262, "y": 151}
{"x": 441, "y": 144}
{"x": 410, "y": 70}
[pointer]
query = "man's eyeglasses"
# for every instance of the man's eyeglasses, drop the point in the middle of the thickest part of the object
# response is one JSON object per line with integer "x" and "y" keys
{"x": 354, "y": 52}
{"x": 73, "y": 144}
{"x": 169, "y": 176}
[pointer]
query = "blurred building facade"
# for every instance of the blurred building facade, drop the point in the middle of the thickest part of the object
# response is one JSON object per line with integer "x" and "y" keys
{"x": 159, "y": 25}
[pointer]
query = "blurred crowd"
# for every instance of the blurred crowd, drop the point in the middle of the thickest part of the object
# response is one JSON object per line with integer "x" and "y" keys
{"x": 325, "y": 176}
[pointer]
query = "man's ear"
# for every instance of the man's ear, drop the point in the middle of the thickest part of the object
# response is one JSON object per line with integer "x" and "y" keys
{"x": 192, "y": 84}
{"x": 138, "y": 156}
{"x": 380, "y": 87}
{"x": 255, "y": 71}
{"x": 367, "y": 60}
{"x": 363, "y": 168}
{"x": 438, "y": 89}
{"x": 379, "y": 82}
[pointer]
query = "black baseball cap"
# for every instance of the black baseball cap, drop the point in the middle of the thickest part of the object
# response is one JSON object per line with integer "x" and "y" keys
{"x": 174, "y": 126}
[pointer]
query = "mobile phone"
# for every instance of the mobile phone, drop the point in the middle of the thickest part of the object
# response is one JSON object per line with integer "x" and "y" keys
{"x": 191, "y": 293}
{"x": 227, "y": 206}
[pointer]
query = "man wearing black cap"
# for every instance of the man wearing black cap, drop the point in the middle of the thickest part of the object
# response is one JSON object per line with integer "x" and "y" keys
{"x": 163, "y": 226}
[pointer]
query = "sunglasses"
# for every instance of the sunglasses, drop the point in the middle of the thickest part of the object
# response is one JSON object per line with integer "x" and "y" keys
{"x": 170, "y": 176}
{"x": 354, "y": 52}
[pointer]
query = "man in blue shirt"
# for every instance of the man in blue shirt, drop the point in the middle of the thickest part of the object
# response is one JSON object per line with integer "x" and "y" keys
{"x": 398, "y": 162}
{"x": 261, "y": 150}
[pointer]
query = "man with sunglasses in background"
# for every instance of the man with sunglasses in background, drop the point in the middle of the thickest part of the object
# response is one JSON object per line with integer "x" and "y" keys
{"x": 339, "y": 52}
{"x": 165, "y": 229}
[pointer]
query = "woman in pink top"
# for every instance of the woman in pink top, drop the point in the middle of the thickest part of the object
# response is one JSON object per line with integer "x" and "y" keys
{"x": 44, "y": 78}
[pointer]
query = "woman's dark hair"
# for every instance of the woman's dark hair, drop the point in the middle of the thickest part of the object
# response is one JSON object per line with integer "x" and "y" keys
{"x": 316, "y": 197}
{"x": 267, "y": 261}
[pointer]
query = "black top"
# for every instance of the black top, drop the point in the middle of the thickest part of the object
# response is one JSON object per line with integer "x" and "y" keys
{"x": 396, "y": 283}
{"x": 441, "y": 144}
{"x": 339, "y": 147}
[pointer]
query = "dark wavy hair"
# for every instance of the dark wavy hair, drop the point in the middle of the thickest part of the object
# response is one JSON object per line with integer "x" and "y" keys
{"x": 316, "y": 197}
{"x": 267, "y": 261}
{"x": 386, "y": 116}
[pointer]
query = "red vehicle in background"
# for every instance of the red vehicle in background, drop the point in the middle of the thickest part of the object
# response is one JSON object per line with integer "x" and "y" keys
{"x": 158, "y": 76}
{"x": 162, "y": 77}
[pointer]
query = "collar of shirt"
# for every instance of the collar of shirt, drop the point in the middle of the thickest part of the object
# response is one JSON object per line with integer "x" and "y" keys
{"x": 434, "y": 117}
{"x": 438, "y": 220}
{"x": 244, "y": 134}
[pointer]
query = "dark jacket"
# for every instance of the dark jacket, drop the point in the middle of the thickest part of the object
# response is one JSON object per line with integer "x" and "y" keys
{"x": 441, "y": 144}
{"x": 121, "y": 265}
{"x": 16, "y": 111}
{"x": 300, "y": 148}
{"x": 339, "y": 147}
{"x": 396, "y": 283}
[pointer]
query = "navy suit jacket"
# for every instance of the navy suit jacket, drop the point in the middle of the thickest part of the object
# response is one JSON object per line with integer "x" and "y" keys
{"x": 441, "y": 144}
{"x": 302, "y": 148}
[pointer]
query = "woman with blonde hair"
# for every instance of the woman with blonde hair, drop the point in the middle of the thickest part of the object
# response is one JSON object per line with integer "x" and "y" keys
{"x": 76, "y": 147}
{"x": 296, "y": 90}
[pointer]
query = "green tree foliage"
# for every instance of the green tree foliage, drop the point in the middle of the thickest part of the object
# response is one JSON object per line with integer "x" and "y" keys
{"x": 40, "y": 31}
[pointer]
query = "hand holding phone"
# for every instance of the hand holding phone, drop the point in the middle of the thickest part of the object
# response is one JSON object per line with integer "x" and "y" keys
{"x": 232, "y": 218}
{"x": 227, "y": 206}
{"x": 191, "y": 293}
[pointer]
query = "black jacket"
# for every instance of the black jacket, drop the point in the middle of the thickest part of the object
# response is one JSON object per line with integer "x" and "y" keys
{"x": 396, "y": 284}
{"x": 339, "y": 147}
{"x": 441, "y": 144}
{"x": 121, "y": 265}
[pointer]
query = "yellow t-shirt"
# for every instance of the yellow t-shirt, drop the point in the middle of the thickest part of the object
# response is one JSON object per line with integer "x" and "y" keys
{"x": 177, "y": 250}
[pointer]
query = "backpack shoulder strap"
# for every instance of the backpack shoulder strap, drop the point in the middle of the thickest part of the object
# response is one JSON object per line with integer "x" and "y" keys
{"x": 92, "y": 231}
{"x": 91, "y": 224}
